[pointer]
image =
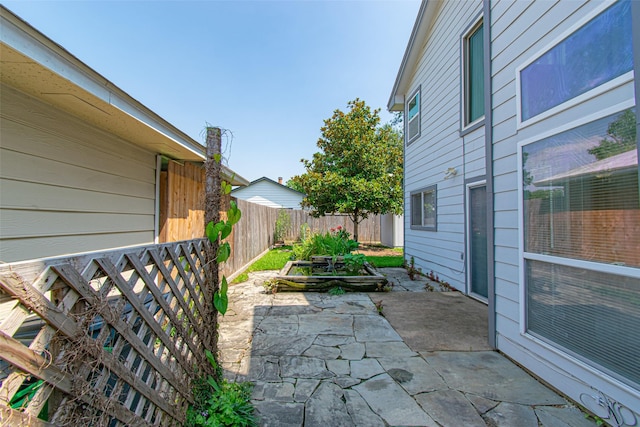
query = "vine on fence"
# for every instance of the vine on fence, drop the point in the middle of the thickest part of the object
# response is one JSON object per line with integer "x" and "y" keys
{"x": 221, "y": 230}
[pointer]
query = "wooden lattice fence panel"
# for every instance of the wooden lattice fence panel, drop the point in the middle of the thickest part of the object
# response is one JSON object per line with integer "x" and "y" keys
{"x": 111, "y": 339}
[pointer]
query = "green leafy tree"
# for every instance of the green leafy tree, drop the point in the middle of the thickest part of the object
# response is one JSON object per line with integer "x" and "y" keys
{"x": 621, "y": 137}
{"x": 358, "y": 171}
{"x": 294, "y": 185}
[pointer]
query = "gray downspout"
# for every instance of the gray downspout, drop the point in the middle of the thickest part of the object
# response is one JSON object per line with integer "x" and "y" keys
{"x": 635, "y": 37}
{"x": 488, "y": 145}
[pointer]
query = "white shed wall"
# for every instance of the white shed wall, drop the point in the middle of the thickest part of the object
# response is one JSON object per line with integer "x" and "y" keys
{"x": 67, "y": 187}
{"x": 441, "y": 146}
{"x": 392, "y": 230}
{"x": 269, "y": 194}
{"x": 519, "y": 31}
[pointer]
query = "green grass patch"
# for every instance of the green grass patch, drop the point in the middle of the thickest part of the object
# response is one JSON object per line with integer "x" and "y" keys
{"x": 275, "y": 259}
{"x": 386, "y": 261}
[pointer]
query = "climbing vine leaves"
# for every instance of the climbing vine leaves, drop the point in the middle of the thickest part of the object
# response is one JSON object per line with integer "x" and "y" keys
{"x": 219, "y": 232}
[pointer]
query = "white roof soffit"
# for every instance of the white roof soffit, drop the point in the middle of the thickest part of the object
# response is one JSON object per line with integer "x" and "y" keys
{"x": 423, "y": 22}
{"x": 38, "y": 66}
{"x": 233, "y": 178}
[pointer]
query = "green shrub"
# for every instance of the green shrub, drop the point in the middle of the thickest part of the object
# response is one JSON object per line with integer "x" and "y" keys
{"x": 283, "y": 224}
{"x": 332, "y": 243}
{"x": 220, "y": 404}
{"x": 354, "y": 263}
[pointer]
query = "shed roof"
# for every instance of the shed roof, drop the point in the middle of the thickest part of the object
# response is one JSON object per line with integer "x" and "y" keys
{"x": 265, "y": 179}
{"x": 36, "y": 65}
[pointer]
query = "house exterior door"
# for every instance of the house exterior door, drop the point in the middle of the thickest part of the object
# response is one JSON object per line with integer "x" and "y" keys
{"x": 477, "y": 283}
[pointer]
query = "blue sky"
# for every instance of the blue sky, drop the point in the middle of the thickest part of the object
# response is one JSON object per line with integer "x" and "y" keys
{"x": 269, "y": 71}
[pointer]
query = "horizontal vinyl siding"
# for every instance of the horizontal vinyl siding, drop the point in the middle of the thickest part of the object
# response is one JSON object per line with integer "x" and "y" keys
{"x": 441, "y": 147}
{"x": 67, "y": 187}
{"x": 519, "y": 31}
{"x": 270, "y": 194}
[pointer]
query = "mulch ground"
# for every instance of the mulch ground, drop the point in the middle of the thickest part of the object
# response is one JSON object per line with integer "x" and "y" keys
{"x": 374, "y": 250}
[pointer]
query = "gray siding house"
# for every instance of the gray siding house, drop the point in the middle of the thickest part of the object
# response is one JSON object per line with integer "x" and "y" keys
{"x": 80, "y": 160}
{"x": 521, "y": 181}
{"x": 267, "y": 192}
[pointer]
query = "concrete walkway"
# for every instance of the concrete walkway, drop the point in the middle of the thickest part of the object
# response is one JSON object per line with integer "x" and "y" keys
{"x": 323, "y": 360}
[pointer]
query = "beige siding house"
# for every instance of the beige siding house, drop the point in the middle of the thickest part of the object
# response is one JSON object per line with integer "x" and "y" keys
{"x": 80, "y": 160}
{"x": 267, "y": 192}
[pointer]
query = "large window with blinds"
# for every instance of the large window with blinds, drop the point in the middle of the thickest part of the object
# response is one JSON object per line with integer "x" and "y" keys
{"x": 581, "y": 242}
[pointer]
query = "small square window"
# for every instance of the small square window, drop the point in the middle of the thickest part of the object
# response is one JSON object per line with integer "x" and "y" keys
{"x": 413, "y": 117}
{"x": 424, "y": 209}
{"x": 473, "y": 45}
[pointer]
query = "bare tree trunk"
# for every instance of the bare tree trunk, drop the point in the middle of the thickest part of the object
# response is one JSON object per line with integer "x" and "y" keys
{"x": 212, "y": 214}
{"x": 355, "y": 218}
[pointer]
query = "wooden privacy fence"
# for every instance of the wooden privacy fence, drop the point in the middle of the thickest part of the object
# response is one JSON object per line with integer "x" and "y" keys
{"x": 368, "y": 229}
{"x": 251, "y": 236}
{"x": 114, "y": 338}
{"x": 254, "y": 234}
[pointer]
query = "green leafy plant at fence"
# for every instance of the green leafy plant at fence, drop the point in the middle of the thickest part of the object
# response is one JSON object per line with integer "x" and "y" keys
{"x": 305, "y": 232}
{"x": 336, "y": 242}
{"x": 220, "y": 403}
{"x": 283, "y": 224}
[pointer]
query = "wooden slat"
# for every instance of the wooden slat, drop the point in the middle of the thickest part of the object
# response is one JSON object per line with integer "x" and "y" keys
{"x": 11, "y": 417}
{"x": 164, "y": 396}
{"x": 113, "y": 274}
{"x": 185, "y": 278}
{"x": 165, "y": 306}
{"x": 20, "y": 356}
{"x": 71, "y": 276}
{"x": 186, "y": 250}
{"x": 52, "y": 314}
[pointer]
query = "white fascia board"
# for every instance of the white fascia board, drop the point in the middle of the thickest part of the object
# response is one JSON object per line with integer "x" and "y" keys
{"x": 412, "y": 54}
{"x": 233, "y": 177}
{"x": 150, "y": 119}
{"x": 22, "y": 37}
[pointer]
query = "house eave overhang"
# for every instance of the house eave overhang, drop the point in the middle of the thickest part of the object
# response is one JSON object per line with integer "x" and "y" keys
{"x": 411, "y": 56}
{"x": 39, "y": 67}
{"x": 233, "y": 178}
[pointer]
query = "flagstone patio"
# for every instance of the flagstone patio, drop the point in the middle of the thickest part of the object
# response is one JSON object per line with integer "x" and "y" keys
{"x": 323, "y": 360}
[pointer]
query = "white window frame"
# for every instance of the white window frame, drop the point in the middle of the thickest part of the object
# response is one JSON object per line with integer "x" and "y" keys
{"x": 418, "y": 116}
{"x": 552, "y": 259}
{"x": 466, "y": 123}
{"x": 422, "y": 191}
{"x": 605, "y": 87}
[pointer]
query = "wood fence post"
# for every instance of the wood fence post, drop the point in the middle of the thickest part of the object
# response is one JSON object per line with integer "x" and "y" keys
{"x": 213, "y": 167}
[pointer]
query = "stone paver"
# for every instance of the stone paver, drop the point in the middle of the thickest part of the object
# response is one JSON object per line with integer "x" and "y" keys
{"x": 387, "y": 399}
{"x": 510, "y": 414}
{"x": 323, "y": 360}
{"x": 492, "y": 376}
{"x": 442, "y": 403}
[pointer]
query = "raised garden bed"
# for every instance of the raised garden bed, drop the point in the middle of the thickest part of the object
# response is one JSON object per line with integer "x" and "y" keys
{"x": 322, "y": 274}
